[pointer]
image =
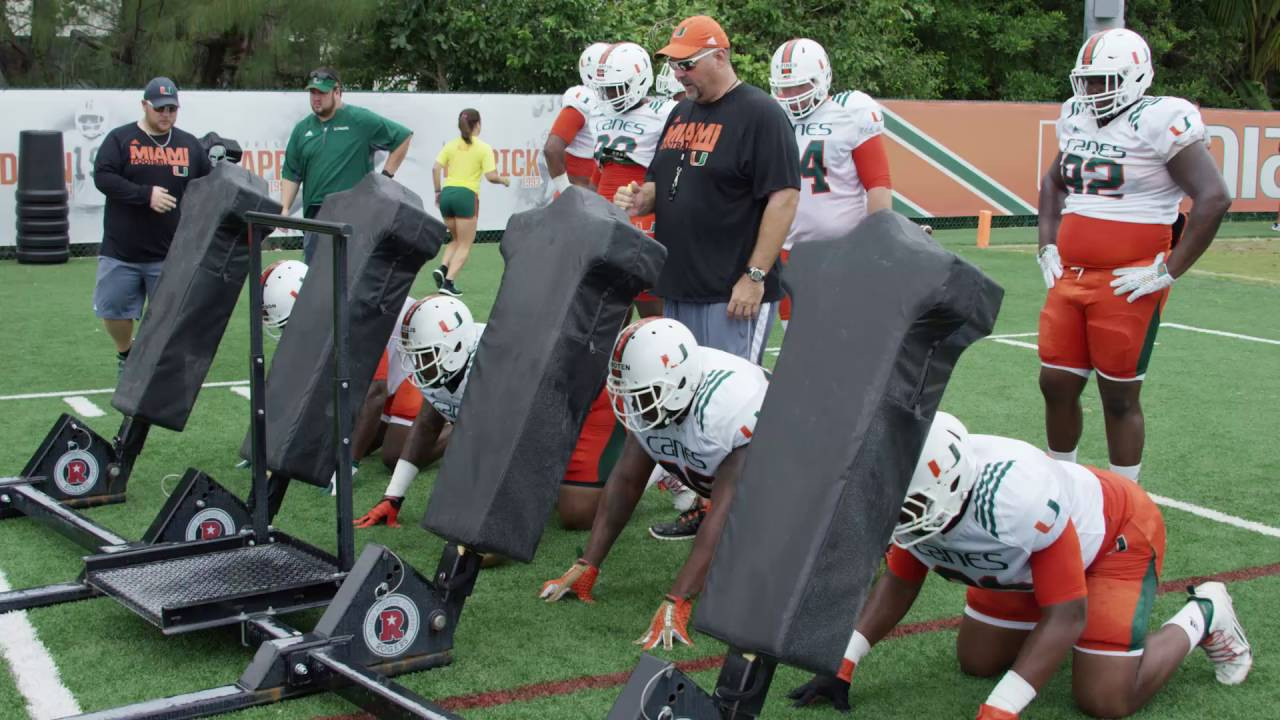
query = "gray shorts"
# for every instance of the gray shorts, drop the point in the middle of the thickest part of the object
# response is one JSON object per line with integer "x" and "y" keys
{"x": 712, "y": 327}
{"x": 122, "y": 287}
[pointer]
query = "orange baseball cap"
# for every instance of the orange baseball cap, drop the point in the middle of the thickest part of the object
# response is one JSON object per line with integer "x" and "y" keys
{"x": 693, "y": 35}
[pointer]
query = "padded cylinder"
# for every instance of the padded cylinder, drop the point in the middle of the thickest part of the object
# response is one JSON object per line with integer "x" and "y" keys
{"x": 42, "y": 256}
{"x": 43, "y": 242}
{"x": 29, "y": 211}
{"x": 879, "y": 320}
{"x": 193, "y": 300}
{"x": 42, "y": 197}
{"x": 43, "y": 227}
{"x": 393, "y": 237}
{"x": 572, "y": 269}
{"x": 40, "y": 161}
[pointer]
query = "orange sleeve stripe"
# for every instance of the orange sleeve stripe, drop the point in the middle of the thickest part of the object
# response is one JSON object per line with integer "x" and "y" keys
{"x": 905, "y": 566}
{"x": 872, "y": 163}
{"x": 567, "y": 124}
{"x": 1057, "y": 572}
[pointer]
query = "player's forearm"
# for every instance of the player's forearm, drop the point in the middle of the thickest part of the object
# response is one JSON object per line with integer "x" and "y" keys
{"x": 421, "y": 441}
{"x": 554, "y": 150}
{"x": 1052, "y": 200}
{"x": 879, "y": 198}
{"x": 890, "y": 600}
{"x": 1194, "y": 171}
{"x": 616, "y": 506}
{"x": 778, "y": 216}
{"x": 693, "y": 574}
{"x": 1049, "y": 643}
{"x": 396, "y": 157}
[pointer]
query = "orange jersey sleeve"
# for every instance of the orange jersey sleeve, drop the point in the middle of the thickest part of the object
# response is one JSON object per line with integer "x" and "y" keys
{"x": 905, "y": 566}
{"x": 872, "y": 163}
{"x": 1057, "y": 572}
{"x": 567, "y": 124}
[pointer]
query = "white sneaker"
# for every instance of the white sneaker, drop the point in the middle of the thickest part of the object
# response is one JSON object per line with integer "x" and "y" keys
{"x": 682, "y": 498}
{"x": 1275, "y": 227}
{"x": 1224, "y": 642}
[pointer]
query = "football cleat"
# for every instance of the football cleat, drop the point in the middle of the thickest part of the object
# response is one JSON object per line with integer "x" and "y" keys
{"x": 684, "y": 527}
{"x": 1224, "y": 641}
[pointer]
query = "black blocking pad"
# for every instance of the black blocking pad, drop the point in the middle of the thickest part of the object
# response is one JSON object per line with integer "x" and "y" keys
{"x": 393, "y": 236}
{"x": 879, "y": 319}
{"x": 572, "y": 269}
{"x": 193, "y": 300}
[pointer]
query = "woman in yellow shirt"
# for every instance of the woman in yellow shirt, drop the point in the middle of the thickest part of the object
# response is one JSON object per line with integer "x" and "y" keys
{"x": 463, "y": 161}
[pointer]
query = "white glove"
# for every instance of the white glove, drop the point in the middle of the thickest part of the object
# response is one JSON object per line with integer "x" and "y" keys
{"x": 1144, "y": 280}
{"x": 1050, "y": 264}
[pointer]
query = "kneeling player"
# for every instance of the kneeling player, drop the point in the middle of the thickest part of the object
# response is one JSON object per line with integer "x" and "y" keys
{"x": 437, "y": 342}
{"x": 1057, "y": 556}
{"x": 693, "y": 410}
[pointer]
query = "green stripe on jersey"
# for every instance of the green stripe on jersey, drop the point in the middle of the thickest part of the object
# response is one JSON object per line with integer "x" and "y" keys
{"x": 713, "y": 382}
{"x": 985, "y": 495}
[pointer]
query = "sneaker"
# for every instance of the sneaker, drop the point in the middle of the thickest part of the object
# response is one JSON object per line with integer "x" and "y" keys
{"x": 1275, "y": 227}
{"x": 682, "y": 498}
{"x": 684, "y": 528}
{"x": 448, "y": 288}
{"x": 1224, "y": 641}
{"x": 439, "y": 275}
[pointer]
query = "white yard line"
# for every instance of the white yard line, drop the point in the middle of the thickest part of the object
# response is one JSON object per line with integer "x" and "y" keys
{"x": 34, "y": 672}
{"x": 1234, "y": 276}
{"x": 1210, "y": 514}
{"x": 1012, "y": 335}
{"x": 103, "y": 391}
{"x": 84, "y": 406}
{"x": 1237, "y": 336}
{"x": 1016, "y": 343}
{"x": 241, "y": 390}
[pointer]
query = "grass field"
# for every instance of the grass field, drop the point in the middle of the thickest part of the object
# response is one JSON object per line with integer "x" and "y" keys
{"x": 1210, "y": 402}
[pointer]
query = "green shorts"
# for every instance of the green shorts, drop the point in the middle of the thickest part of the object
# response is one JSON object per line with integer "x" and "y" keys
{"x": 457, "y": 202}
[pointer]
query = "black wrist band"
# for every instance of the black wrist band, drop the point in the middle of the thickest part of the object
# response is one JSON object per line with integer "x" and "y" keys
{"x": 384, "y": 172}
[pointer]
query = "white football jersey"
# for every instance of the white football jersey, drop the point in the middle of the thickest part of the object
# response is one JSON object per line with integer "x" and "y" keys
{"x": 448, "y": 402}
{"x": 581, "y": 99}
{"x": 1019, "y": 505}
{"x": 1117, "y": 172}
{"x": 630, "y": 138}
{"x": 720, "y": 419}
{"x": 832, "y": 198}
{"x": 83, "y": 152}
{"x": 396, "y": 372}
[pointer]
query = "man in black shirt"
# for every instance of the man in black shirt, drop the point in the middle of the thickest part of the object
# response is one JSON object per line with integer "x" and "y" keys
{"x": 724, "y": 183}
{"x": 142, "y": 168}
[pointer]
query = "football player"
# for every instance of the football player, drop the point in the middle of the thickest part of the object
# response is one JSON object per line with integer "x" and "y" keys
{"x": 569, "y": 146}
{"x": 91, "y": 124}
{"x": 437, "y": 340}
{"x": 626, "y": 124}
{"x": 1107, "y": 205}
{"x": 666, "y": 84}
{"x": 843, "y": 165}
{"x": 693, "y": 410}
{"x": 1059, "y": 558}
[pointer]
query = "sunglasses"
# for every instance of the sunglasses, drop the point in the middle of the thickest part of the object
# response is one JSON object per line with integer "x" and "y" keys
{"x": 690, "y": 63}
{"x": 165, "y": 109}
{"x": 323, "y": 76}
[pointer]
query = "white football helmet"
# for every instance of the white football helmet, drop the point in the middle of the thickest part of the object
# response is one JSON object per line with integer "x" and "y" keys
{"x": 622, "y": 77}
{"x": 666, "y": 84}
{"x": 942, "y": 479}
{"x": 797, "y": 63}
{"x": 581, "y": 98}
{"x": 437, "y": 338}
{"x": 281, "y": 282}
{"x": 1121, "y": 58}
{"x": 588, "y": 60}
{"x": 90, "y": 121}
{"x": 653, "y": 373}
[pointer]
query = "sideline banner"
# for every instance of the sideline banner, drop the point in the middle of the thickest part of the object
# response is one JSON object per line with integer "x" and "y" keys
{"x": 948, "y": 158}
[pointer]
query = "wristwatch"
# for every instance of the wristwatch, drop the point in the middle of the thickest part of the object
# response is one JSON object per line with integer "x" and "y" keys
{"x": 755, "y": 274}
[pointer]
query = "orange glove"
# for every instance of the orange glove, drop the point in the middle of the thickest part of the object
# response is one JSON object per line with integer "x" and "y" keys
{"x": 386, "y": 511}
{"x": 669, "y": 624}
{"x": 578, "y": 579}
{"x": 990, "y": 712}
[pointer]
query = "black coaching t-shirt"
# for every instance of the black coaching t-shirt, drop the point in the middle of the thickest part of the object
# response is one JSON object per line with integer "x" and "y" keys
{"x": 131, "y": 162}
{"x": 730, "y": 155}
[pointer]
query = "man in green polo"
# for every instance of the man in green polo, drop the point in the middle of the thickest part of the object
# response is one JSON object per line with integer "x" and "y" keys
{"x": 331, "y": 149}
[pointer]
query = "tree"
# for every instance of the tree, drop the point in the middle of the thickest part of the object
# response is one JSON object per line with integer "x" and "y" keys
{"x": 1256, "y": 25}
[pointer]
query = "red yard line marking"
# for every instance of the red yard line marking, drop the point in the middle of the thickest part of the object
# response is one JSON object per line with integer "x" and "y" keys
{"x": 536, "y": 691}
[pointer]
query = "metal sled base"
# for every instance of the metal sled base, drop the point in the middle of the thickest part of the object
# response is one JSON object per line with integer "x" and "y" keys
{"x": 657, "y": 689}
{"x": 386, "y": 620}
{"x": 192, "y": 586}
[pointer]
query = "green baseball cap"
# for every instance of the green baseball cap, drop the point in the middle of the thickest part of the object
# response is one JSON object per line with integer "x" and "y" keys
{"x": 322, "y": 79}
